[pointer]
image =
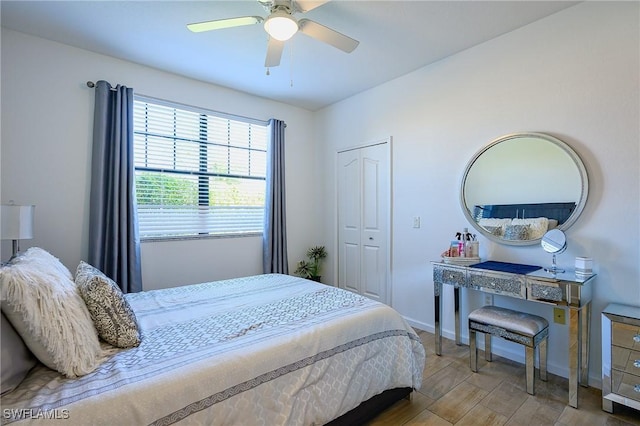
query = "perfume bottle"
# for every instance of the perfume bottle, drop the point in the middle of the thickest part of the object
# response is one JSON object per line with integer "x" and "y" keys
{"x": 462, "y": 243}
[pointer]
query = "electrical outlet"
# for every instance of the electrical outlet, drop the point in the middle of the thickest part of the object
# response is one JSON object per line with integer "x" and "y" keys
{"x": 488, "y": 299}
{"x": 559, "y": 316}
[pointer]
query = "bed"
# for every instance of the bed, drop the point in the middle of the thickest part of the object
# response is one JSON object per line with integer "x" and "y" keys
{"x": 556, "y": 211}
{"x": 270, "y": 349}
{"x": 522, "y": 221}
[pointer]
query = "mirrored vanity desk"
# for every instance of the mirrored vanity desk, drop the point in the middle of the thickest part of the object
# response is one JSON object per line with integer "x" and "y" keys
{"x": 562, "y": 289}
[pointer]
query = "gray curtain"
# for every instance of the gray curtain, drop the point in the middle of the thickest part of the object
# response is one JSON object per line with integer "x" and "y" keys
{"x": 114, "y": 242}
{"x": 274, "y": 237}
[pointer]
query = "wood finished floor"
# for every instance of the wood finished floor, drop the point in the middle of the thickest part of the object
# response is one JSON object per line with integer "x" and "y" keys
{"x": 453, "y": 395}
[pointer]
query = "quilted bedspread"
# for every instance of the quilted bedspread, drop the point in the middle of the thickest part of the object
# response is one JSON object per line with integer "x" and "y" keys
{"x": 262, "y": 350}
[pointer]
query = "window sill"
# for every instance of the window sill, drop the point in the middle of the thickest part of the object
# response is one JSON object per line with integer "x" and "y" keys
{"x": 199, "y": 237}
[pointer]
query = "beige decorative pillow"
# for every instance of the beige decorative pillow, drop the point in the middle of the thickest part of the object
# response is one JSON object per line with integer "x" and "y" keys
{"x": 111, "y": 313}
{"x": 46, "y": 310}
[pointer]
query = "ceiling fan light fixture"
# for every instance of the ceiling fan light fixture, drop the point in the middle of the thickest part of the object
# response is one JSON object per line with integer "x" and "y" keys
{"x": 281, "y": 25}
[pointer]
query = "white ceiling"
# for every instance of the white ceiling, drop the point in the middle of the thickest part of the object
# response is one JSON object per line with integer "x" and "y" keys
{"x": 396, "y": 37}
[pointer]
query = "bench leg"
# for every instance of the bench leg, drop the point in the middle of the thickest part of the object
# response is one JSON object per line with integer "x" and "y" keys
{"x": 542, "y": 349}
{"x": 487, "y": 348}
{"x": 473, "y": 351}
{"x": 529, "y": 364}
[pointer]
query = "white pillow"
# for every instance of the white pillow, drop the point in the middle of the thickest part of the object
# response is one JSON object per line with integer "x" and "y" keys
{"x": 43, "y": 304}
{"x": 489, "y": 221}
{"x": 40, "y": 257}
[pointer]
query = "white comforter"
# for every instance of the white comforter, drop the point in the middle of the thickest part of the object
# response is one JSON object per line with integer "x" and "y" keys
{"x": 263, "y": 350}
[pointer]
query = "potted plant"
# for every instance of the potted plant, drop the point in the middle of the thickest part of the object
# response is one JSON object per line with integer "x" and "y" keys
{"x": 311, "y": 269}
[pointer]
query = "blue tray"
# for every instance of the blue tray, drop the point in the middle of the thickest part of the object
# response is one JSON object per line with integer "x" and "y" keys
{"x": 514, "y": 268}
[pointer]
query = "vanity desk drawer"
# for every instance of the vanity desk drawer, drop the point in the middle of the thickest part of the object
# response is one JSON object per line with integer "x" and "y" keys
{"x": 543, "y": 291}
{"x": 491, "y": 282}
{"x": 450, "y": 275}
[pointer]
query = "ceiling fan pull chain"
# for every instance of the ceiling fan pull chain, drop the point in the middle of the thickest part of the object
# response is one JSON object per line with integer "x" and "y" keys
{"x": 291, "y": 63}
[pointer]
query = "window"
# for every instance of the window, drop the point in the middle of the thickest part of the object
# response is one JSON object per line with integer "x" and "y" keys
{"x": 198, "y": 172}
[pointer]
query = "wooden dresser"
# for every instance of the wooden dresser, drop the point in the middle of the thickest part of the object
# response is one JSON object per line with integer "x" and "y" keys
{"x": 620, "y": 356}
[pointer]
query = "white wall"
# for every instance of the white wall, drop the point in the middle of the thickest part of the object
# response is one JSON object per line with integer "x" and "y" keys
{"x": 573, "y": 75}
{"x": 47, "y": 118}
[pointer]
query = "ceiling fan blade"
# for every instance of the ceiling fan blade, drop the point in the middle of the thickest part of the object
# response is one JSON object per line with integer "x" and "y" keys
{"x": 274, "y": 52}
{"x": 327, "y": 35}
{"x": 304, "y": 6}
{"x": 218, "y": 24}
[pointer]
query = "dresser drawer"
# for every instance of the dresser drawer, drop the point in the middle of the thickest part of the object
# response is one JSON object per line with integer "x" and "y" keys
{"x": 500, "y": 284}
{"x": 449, "y": 275}
{"x": 625, "y": 335}
{"x": 626, "y": 385}
{"x": 625, "y": 360}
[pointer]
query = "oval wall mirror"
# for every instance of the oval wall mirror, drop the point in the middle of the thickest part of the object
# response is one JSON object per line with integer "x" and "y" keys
{"x": 521, "y": 185}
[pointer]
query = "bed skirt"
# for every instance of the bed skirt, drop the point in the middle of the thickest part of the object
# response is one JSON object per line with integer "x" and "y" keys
{"x": 369, "y": 409}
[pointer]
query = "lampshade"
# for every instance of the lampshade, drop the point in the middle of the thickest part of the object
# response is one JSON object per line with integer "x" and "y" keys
{"x": 17, "y": 222}
{"x": 281, "y": 25}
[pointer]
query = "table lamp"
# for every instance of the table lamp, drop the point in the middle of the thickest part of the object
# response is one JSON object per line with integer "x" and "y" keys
{"x": 17, "y": 224}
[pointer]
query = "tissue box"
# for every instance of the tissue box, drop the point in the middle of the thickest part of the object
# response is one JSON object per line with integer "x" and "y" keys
{"x": 584, "y": 265}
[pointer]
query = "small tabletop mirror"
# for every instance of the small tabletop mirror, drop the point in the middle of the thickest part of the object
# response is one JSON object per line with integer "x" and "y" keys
{"x": 554, "y": 242}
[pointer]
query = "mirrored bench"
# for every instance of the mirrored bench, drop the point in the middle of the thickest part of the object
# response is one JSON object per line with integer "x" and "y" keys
{"x": 562, "y": 289}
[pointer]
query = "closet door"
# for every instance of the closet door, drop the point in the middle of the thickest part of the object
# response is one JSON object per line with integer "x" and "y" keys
{"x": 363, "y": 220}
{"x": 349, "y": 220}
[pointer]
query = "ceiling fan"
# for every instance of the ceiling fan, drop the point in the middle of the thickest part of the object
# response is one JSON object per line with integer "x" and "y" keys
{"x": 281, "y": 25}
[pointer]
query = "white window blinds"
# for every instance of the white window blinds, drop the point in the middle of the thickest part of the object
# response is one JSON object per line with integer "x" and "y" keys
{"x": 198, "y": 173}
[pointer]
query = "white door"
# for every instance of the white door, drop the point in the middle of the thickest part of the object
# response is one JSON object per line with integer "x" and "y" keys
{"x": 363, "y": 220}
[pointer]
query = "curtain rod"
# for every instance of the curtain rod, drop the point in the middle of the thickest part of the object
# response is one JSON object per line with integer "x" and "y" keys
{"x": 198, "y": 109}
{"x": 92, "y": 85}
